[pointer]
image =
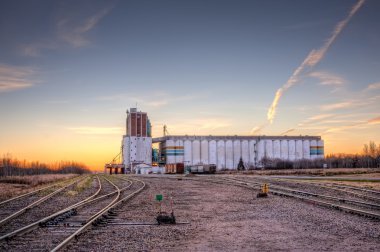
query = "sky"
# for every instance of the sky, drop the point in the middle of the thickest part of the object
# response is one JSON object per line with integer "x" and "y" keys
{"x": 69, "y": 70}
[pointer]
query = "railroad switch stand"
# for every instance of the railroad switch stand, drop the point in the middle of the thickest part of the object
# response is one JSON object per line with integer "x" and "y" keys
{"x": 162, "y": 216}
{"x": 264, "y": 191}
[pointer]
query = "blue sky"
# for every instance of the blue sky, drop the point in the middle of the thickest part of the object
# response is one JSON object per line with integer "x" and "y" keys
{"x": 70, "y": 69}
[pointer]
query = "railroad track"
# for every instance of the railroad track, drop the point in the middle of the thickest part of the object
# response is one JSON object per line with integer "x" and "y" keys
{"x": 19, "y": 205}
{"x": 328, "y": 201}
{"x": 363, "y": 193}
{"x": 33, "y": 192}
{"x": 60, "y": 228}
{"x": 301, "y": 195}
{"x": 61, "y": 201}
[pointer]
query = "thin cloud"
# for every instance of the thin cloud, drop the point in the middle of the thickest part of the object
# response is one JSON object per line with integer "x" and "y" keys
{"x": 314, "y": 57}
{"x": 196, "y": 126}
{"x": 335, "y": 106}
{"x": 360, "y": 125}
{"x": 71, "y": 28}
{"x": 15, "y": 78}
{"x": 97, "y": 130}
{"x": 74, "y": 31}
{"x": 34, "y": 49}
{"x": 364, "y": 102}
{"x": 375, "y": 120}
{"x": 320, "y": 117}
{"x": 258, "y": 129}
{"x": 315, "y": 119}
{"x": 373, "y": 86}
{"x": 288, "y": 131}
{"x": 328, "y": 79}
{"x": 213, "y": 124}
{"x": 153, "y": 100}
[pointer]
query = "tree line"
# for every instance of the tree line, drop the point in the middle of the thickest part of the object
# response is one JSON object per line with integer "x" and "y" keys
{"x": 13, "y": 167}
{"x": 369, "y": 158}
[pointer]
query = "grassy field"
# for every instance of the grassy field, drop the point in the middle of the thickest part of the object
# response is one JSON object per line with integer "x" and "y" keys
{"x": 15, "y": 185}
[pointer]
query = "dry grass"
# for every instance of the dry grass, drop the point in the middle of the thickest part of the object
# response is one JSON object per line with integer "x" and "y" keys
{"x": 310, "y": 172}
{"x": 35, "y": 180}
{"x": 15, "y": 185}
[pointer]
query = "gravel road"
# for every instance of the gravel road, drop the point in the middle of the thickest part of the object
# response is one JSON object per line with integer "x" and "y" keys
{"x": 228, "y": 218}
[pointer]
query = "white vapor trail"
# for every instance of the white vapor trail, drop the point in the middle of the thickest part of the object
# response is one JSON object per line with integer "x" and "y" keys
{"x": 314, "y": 57}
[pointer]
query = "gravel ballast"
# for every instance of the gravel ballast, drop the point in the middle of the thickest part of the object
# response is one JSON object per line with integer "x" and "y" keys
{"x": 228, "y": 218}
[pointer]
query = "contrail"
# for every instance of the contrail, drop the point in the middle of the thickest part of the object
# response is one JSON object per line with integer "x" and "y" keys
{"x": 314, "y": 57}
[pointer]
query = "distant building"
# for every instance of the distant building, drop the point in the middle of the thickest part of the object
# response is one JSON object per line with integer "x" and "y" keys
{"x": 137, "y": 143}
{"x": 223, "y": 151}
{"x": 226, "y": 151}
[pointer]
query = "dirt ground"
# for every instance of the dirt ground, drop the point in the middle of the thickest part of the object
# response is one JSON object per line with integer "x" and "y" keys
{"x": 229, "y": 218}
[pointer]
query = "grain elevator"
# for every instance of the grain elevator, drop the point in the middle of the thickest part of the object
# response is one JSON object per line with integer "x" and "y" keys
{"x": 223, "y": 151}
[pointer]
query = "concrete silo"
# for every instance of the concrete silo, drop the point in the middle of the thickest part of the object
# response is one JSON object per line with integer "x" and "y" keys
{"x": 292, "y": 150}
{"x": 229, "y": 154}
{"x": 284, "y": 149}
{"x": 169, "y": 152}
{"x": 237, "y": 153}
{"x": 260, "y": 150}
{"x": 221, "y": 154}
{"x": 269, "y": 148}
{"x": 299, "y": 149}
{"x": 188, "y": 156}
{"x": 179, "y": 151}
{"x": 276, "y": 149}
{"x": 306, "y": 149}
{"x": 252, "y": 153}
{"x": 245, "y": 152}
{"x": 196, "y": 152}
{"x": 212, "y": 152}
{"x": 204, "y": 152}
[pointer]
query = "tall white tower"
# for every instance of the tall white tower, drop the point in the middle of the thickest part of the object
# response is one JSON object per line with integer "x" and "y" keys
{"x": 137, "y": 143}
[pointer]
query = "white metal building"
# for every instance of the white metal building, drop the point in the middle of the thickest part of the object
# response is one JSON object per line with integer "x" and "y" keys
{"x": 226, "y": 151}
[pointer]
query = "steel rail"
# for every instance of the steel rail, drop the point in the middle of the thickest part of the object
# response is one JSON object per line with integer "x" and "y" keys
{"x": 249, "y": 185}
{"x": 356, "y": 188}
{"x": 36, "y": 203}
{"x": 83, "y": 203}
{"x": 333, "y": 187}
{"x": 31, "y": 226}
{"x": 96, "y": 216}
{"x": 322, "y": 203}
{"x": 355, "y": 202}
{"x": 33, "y": 192}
